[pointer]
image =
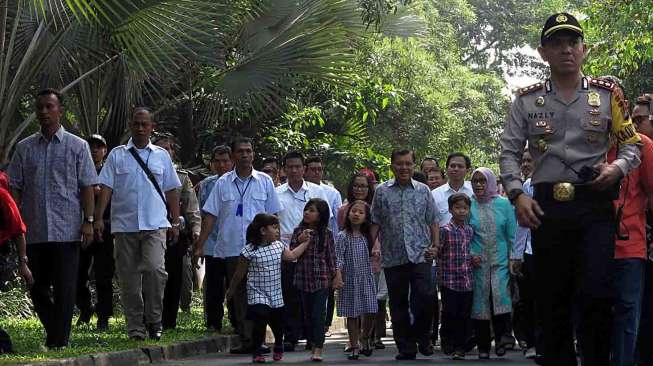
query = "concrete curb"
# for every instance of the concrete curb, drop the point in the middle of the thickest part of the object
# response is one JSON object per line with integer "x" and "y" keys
{"x": 151, "y": 353}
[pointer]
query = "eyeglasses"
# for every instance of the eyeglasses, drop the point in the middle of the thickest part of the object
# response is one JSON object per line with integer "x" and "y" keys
{"x": 480, "y": 182}
{"x": 361, "y": 186}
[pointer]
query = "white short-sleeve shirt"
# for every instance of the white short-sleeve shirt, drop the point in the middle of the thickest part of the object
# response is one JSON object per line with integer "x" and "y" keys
{"x": 135, "y": 203}
{"x": 292, "y": 206}
{"x": 441, "y": 196}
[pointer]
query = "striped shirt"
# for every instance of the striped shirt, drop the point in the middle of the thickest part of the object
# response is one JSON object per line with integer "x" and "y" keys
{"x": 455, "y": 270}
{"x": 49, "y": 175}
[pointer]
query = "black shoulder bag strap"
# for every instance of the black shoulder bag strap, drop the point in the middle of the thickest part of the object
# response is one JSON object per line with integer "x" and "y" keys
{"x": 149, "y": 174}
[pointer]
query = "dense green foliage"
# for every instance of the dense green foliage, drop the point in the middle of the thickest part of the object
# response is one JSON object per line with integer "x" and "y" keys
{"x": 621, "y": 43}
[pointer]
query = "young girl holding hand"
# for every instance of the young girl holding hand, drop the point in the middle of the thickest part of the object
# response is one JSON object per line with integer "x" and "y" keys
{"x": 315, "y": 271}
{"x": 357, "y": 296}
{"x": 260, "y": 260}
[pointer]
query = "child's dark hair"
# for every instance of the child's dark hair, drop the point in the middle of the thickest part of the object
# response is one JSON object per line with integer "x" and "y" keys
{"x": 457, "y": 197}
{"x": 261, "y": 220}
{"x": 324, "y": 212}
{"x": 365, "y": 227}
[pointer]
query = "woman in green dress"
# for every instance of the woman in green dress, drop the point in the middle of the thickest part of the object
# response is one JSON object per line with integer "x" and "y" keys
{"x": 494, "y": 224}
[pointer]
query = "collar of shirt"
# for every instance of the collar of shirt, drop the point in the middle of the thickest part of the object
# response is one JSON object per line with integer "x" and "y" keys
{"x": 453, "y": 224}
{"x": 59, "y": 135}
{"x": 463, "y": 188}
{"x": 232, "y": 176}
{"x": 286, "y": 187}
{"x": 393, "y": 182}
{"x": 130, "y": 144}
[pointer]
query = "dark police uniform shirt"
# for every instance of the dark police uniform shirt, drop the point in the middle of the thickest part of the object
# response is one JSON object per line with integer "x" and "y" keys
{"x": 578, "y": 133}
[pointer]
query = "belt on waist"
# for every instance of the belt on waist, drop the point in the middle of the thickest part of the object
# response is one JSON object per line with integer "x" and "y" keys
{"x": 566, "y": 192}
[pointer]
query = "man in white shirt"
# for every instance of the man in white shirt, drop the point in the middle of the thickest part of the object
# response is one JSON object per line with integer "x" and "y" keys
{"x": 313, "y": 173}
{"x": 458, "y": 165}
{"x": 293, "y": 195}
{"x": 235, "y": 199}
{"x": 139, "y": 222}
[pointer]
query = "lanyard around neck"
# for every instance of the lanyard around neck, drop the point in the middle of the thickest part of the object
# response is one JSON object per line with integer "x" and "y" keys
{"x": 242, "y": 194}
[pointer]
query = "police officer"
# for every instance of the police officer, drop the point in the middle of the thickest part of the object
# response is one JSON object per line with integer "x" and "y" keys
{"x": 568, "y": 121}
{"x": 177, "y": 258}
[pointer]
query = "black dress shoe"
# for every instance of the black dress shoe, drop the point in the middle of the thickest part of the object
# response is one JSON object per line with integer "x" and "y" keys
{"x": 103, "y": 325}
{"x": 155, "y": 332}
{"x": 405, "y": 356}
{"x": 84, "y": 319}
{"x": 426, "y": 350}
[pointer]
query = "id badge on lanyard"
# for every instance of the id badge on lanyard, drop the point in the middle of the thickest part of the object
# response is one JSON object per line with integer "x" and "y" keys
{"x": 239, "y": 208}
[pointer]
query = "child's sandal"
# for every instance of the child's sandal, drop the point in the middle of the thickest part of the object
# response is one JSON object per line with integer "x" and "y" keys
{"x": 354, "y": 354}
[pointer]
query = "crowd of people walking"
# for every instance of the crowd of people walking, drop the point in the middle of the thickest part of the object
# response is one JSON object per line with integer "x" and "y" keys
{"x": 552, "y": 255}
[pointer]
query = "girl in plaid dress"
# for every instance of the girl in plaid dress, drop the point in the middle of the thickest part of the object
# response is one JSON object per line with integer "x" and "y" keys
{"x": 315, "y": 271}
{"x": 260, "y": 260}
{"x": 357, "y": 295}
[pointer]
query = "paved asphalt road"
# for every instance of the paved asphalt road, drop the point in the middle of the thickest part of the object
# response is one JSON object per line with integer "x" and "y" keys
{"x": 333, "y": 354}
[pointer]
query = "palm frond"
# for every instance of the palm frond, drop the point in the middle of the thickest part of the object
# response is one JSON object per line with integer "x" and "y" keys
{"x": 288, "y": 39}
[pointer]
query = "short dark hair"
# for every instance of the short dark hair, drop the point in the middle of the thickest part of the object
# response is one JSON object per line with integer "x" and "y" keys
{"x": 313, "y": 159}
{"x": 239, "y": 140}
{"x": 437, "y": 170}
{"x": 458, "y": 154}
{"x": 219, "y": 150}
{"x": 421, "y": 165}
{"x": 401, "y": 152}
{"x": 270, "y": 160}
{"x": 293, "y": 154}
{"x": 51, "y": 91}
{"x": 143, "y": 109}
{"x": 644, "y": 99}
{"x": 457, "y": 197}
{"x": 420, "y": 177}
{"x": 253, "y": 234}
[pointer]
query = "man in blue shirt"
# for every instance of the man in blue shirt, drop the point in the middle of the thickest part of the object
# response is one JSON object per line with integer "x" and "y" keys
{"x": 139, "y": 223}
{"x": 52, "y": 178}
{"x": 218, "y": 270}
{"x": 234, "y": 201}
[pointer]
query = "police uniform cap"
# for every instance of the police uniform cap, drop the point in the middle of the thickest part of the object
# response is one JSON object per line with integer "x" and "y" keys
{"x": 98, "y": 138}
{"x": 558, "y": 22}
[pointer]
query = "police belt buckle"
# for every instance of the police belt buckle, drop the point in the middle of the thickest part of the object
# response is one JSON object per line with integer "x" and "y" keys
{"x": 564, "y": 192}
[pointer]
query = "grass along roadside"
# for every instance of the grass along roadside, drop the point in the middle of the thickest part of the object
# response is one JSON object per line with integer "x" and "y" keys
{"x": 28, "y": 337}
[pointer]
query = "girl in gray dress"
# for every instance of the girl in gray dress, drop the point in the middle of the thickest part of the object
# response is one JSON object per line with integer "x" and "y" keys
{"x": 357, "y": 294}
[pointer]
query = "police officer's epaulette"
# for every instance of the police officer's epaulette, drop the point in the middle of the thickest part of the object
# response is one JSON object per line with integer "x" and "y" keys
{"x": 605, "y": 84}
{"x": 531, "y": 88}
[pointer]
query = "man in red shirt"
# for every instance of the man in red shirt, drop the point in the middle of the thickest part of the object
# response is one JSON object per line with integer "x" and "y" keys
{"x": 641, "y": 116}
{"x": 635, "y": 197}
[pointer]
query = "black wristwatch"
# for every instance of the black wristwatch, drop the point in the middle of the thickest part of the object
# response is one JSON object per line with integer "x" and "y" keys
{"x": 512, "y": 195}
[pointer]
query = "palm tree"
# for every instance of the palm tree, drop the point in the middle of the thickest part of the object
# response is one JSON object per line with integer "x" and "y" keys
{"x": 112, "y": 54}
